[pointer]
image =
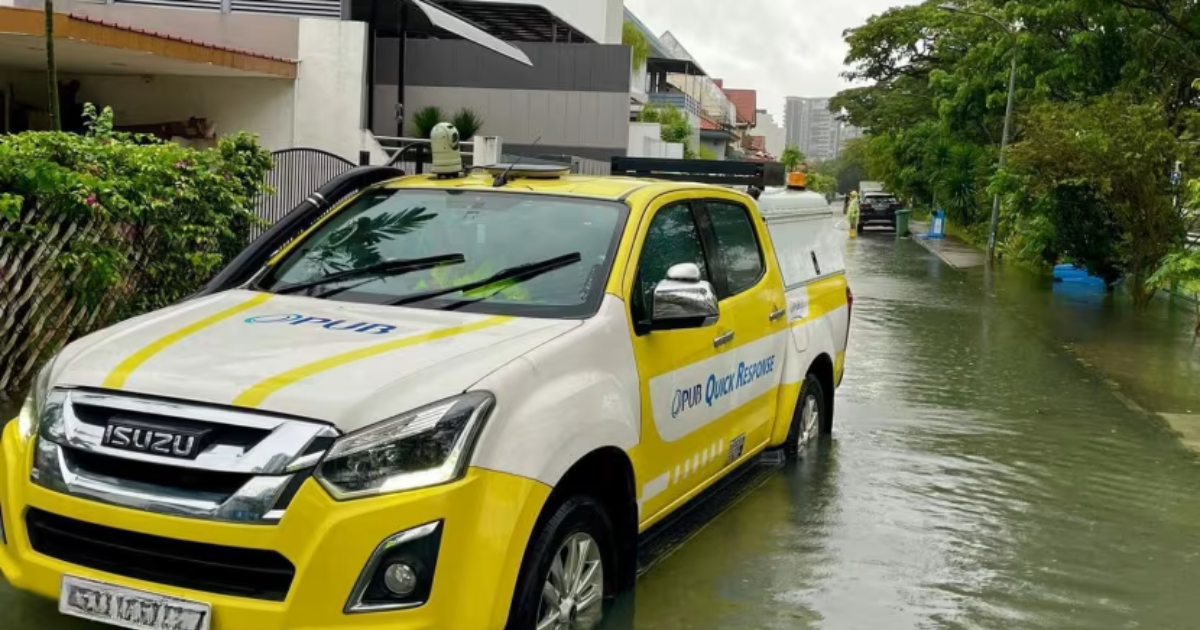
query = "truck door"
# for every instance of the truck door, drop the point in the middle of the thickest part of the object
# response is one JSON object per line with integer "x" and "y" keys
{"x": 752, "y": 291}
{"x": 684, "y": 437}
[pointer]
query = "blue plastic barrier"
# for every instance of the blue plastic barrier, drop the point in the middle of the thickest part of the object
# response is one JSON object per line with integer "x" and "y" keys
{"x": 937, "y": 225}
{"x": 1078, "y": 276}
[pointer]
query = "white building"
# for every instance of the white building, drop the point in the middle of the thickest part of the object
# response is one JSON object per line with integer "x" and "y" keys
{"x": 774, "y": 134}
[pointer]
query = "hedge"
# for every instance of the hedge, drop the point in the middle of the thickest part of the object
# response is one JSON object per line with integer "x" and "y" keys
{"x": 100, "y": 227}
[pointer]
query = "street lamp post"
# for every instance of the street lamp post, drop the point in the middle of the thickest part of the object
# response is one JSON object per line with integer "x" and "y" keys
{"x": 1008, "y": 114}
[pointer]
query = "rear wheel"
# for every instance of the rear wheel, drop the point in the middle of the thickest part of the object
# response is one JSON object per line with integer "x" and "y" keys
{"x": 810, "y": 418}
{"x": 569, "y": 574}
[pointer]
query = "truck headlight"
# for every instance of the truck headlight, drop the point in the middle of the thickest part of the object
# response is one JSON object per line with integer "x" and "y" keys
{"x": 424, "y": 447}
{"x": 35, "y": 403}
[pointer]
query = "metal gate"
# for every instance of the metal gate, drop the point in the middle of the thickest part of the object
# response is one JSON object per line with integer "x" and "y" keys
{"x": 295, "y": 175}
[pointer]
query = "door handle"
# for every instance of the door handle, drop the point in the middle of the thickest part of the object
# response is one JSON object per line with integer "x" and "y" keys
{"x": 723, "y": 339}
{"x": 778, "y": 315}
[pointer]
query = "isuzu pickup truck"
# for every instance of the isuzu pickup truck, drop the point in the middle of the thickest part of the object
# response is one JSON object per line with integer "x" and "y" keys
{"x": 446, "y": 402}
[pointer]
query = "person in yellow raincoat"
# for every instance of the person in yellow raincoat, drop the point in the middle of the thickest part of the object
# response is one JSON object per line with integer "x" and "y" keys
{"x": 852, "y": 214}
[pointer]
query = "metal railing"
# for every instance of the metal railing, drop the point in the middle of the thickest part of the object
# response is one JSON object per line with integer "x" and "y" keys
{"x": 676, "y": 99}
{"x": 295, "y": 175}
{"x": 412, "y": 154}
{"x": 296, "y": 8}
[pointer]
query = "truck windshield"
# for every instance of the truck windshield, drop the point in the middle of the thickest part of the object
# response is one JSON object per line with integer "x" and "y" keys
{"x": 417, "y": 247}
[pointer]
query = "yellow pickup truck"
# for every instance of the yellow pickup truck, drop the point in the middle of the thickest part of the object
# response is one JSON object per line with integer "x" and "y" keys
{"x": 449, "y": 401}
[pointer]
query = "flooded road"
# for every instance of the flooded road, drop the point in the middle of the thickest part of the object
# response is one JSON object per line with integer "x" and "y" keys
{"x": 981, "y": 476}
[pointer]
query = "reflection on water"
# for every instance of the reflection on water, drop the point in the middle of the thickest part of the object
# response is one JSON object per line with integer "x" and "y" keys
{"x": 980, "y": 477}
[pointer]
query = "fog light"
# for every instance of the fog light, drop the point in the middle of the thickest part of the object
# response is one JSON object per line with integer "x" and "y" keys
{"x": 399, "y": 574}
{"x": 400, "y": 579}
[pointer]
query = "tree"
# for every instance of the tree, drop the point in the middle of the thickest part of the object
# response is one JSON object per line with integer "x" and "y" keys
{"x": 1182, "y": 268}
{"x": 791, "y": 158}
{"x": 632, "y": 36}
{"x": 1098, "y": 171}
{"x": 933, "y": 103}
{"x": 51, "y": 70}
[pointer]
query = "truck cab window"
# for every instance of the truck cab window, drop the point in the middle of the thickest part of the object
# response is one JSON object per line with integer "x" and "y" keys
{"x": 672, "y": 239}
{"x": 737, "y": 245}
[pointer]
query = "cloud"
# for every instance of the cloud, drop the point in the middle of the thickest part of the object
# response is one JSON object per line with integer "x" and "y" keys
{"x": 779, "y": 47}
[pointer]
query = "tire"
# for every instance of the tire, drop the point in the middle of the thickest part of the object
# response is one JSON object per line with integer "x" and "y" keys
{"x": 579, "y": 519}
{"x": 861, "y": 227}
{"x": 810, "y": 420}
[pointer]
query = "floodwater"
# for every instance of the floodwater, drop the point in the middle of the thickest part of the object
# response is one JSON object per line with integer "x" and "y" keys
{"x": 995, "y": 464}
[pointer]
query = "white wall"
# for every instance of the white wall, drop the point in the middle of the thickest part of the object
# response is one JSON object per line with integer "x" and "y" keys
{"x": 330, "y": 86}
{"x": 264, "y": 107}
{"x": 645, "y": 140}
{"x": 639, "y": 134}
{"x": 599, "y": 19}
{"x": 260, "y": 106}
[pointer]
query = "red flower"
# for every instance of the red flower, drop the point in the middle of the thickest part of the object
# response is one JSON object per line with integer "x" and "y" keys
{"x": 92, "y": 201}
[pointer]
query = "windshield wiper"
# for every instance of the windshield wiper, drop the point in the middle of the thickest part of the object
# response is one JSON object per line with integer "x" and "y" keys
{"x": 386, "y": 267}
{"x": 524, "y": 272}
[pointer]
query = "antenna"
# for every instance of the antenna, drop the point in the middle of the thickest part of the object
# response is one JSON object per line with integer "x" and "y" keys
{"x": 502, "y": 179}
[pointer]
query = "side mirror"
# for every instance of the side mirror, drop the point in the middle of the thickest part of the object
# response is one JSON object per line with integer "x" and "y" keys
{"x": 683, "y": 300}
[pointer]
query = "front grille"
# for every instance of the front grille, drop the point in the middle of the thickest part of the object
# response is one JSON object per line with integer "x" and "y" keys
{"x": 183, "y": 479}
{"x": 251, "y": 573}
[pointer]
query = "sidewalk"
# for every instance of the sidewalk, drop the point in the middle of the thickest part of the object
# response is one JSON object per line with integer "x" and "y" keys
{"x": 950, "y": 249}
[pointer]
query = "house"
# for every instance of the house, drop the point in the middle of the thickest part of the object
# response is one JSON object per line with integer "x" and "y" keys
{"x": 295, "y": 72}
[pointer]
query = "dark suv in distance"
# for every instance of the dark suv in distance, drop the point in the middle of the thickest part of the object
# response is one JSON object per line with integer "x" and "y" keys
{"x": 877, "y": 208}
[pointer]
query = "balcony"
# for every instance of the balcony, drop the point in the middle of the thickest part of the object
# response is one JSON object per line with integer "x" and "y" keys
{"x": 678, "y": 100}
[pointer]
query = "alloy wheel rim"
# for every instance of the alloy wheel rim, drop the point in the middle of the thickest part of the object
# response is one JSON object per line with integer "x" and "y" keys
{"x": 809, "y": 416}
{"x": 574, "y": 589}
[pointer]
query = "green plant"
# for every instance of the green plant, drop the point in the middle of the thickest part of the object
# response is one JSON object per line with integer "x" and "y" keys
{"x": 706, "y": 153}
{"x": 1181, "y": 269}
{"x": 632, "y": 36}
{"x": 791, "y": 158}
{"x": 468, "y": 123}
{"x": 426, "y": 119}
{"x": 101, "y": 227}
{"x": 675, "y": 126}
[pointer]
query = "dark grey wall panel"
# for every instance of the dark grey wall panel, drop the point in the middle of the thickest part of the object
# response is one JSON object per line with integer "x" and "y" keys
{"x": 562, "y": 153}
{"x": 458, "y": 63}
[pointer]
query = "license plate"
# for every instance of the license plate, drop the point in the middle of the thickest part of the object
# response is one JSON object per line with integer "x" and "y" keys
{"x": 129, "y": 608}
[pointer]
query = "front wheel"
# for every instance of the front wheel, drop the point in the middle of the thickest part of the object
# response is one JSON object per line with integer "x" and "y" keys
{"x": 569, "y": 573}
{"x": 810, "y": 419}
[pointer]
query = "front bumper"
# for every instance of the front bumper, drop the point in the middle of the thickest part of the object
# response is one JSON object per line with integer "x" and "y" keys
{"x": 487, "y": 516}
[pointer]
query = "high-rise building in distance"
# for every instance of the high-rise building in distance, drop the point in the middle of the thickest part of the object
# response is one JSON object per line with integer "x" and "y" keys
{"x": 811, "y": 127}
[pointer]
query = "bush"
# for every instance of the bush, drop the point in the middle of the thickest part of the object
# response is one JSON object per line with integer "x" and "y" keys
{"x": 426, "y": 119}
{"x": 98, "y": 228}
{"x": 467, "y": 122}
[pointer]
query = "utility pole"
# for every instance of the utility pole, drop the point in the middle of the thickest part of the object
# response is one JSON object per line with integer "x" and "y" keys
{"x": 51, "y": 70}
{"x": 1008, "y": 115}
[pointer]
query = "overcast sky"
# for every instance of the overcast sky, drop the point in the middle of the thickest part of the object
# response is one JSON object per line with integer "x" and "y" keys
{"x": 779, "y": 47}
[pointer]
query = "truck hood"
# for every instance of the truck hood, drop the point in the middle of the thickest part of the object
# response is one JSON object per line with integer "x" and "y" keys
{"x": 349, "y": 364}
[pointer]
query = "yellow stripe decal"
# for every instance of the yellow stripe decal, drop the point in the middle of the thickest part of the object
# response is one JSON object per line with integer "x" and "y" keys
{"x": 116, "y": 379}
{"x": 254, "y": 396}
